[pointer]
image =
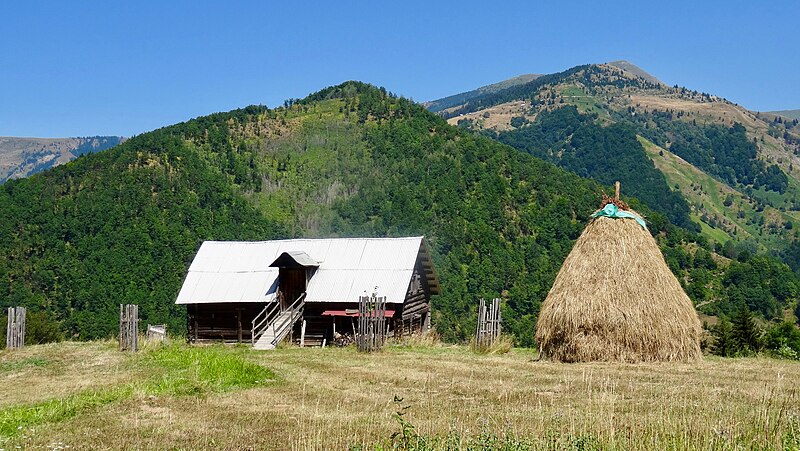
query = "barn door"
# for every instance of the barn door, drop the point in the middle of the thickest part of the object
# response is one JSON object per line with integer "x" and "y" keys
{"x": 292, "y": 283}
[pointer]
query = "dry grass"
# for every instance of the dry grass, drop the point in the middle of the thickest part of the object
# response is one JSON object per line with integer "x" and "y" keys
{"x": 615, "y": 299}
{"x": 38, "y": 373}
{"x": 338, "y": 399}
{"x": 502, "y": 345}
{"x": 499, "y": 115}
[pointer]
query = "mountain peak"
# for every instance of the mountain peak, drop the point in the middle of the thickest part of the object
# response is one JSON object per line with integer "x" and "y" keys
{"x": 627, "y": 66}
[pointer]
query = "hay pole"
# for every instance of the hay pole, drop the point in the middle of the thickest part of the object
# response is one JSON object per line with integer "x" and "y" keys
{"x": 129, "y": 327}
{"x": 15, "y": 331}
{"x": 616, "y": 190}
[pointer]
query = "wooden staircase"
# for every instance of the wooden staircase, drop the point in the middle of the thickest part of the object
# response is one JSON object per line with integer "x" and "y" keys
{"x": 273, "y": 323}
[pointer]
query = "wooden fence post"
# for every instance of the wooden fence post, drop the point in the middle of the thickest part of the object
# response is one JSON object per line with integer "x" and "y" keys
{"x": 372, "y": 325}
{"x": 129, "y": 327}
{"x": 489, "y": 324}
{"x": 15, "y": 331}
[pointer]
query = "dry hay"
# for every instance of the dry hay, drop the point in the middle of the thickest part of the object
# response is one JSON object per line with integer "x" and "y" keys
{"x": 615, "y": 299}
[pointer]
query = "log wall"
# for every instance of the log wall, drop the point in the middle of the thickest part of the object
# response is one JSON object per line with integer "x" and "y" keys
{"x": 229, "y": 322}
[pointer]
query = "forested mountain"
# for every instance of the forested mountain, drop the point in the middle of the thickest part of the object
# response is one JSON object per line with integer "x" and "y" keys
{"x": 21, "y": 157}
{"x": 699, "y": 158}
{"x": 121, "y": 226}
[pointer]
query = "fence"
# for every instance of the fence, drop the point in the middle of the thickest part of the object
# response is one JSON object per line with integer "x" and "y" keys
{"x": 15, "y": 333}
{"x": 372, "y": 326}
{"x": 489, "y": 324}
{"x": 129, "y": 327}
{"x": 156, "y": 332}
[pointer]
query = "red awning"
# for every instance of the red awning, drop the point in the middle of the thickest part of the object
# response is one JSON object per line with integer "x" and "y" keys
{"x": 352, "y": 313}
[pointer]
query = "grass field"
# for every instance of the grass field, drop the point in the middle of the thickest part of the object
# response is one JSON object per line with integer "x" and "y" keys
{"x": 89, "y": 395}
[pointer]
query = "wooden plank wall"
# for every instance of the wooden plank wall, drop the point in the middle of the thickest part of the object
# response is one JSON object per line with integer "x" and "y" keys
{"x": 417, "y": 305}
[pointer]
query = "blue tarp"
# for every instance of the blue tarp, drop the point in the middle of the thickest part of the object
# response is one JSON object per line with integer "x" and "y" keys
{"x": 612, "y": 211}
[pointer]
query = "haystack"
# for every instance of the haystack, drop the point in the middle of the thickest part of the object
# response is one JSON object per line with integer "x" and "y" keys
{"x": 615, "y": 299}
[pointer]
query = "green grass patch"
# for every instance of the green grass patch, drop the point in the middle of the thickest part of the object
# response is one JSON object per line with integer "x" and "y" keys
{"x": 710, "y": 232}
{"x": 18, "y": 365}
{"x": 200, "y": 370}
{"x": 15, "y": 419}
{"x": 178, "y": 370}
{"x": 584, "y": 102}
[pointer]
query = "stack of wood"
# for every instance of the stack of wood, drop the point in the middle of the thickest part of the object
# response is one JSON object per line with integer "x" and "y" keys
{"x": 622, "y": 205}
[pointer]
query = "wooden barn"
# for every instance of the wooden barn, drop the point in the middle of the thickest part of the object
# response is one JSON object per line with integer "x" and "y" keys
{"x": 262, "y": 291}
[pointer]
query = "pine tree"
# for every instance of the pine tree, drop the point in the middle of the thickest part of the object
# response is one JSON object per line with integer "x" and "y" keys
{"x": 745, "y": 331}
{"x": 724, "y": 342}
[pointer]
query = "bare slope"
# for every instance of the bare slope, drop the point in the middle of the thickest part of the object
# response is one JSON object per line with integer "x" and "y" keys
{"x": 634, "y": 69}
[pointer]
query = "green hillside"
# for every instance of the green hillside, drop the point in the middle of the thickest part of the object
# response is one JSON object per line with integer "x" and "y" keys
{"x": 121, "y": 226}
{"x": 755, "y": 155}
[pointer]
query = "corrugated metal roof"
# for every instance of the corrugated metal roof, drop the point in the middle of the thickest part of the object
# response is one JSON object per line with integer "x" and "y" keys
{"x": 294, "y": 258}
{"x": 236, "y": 271}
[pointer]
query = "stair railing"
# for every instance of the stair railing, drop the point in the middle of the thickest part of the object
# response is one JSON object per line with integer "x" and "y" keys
{"x": 282, "y": 327}
{"x": 263, "y": 320}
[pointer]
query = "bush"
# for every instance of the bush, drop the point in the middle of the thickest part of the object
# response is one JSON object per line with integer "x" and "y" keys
{"x": 41, "y": 327}
{"x": 783, "y": 340}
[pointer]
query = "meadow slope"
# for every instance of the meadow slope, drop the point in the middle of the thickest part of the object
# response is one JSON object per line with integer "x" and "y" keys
{"x": 447, "y": 396}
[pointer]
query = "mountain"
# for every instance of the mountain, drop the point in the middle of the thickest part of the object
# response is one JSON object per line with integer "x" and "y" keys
{"x": 631, "y": 68}
{"x": 699, "y": 159}
{"x": 791, "y": 114}
{"x": 21, "y": 157}
{"x": 122, "y": 225}
{"x": 459, "y": 99}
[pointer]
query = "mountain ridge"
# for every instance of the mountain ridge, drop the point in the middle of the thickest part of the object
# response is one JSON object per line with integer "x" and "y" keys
{"x": 668, "y": 116}
{"x": 122, "y": 226}
{"x": 791, "y": 114}
{"x": 634, "y": 69}
{"x": 25, "y": 156}
{"x": 456, "y": 99}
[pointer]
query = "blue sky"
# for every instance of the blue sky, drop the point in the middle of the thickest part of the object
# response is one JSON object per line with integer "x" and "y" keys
{"x": 123, "y": 68}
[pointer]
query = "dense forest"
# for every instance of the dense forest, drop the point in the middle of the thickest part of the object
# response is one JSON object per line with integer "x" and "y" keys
{"x": 352, "y": 160}
{"x": 115, "y": 227}
{"x": 606, "y": 154}
{"x": 725, "y": 152}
